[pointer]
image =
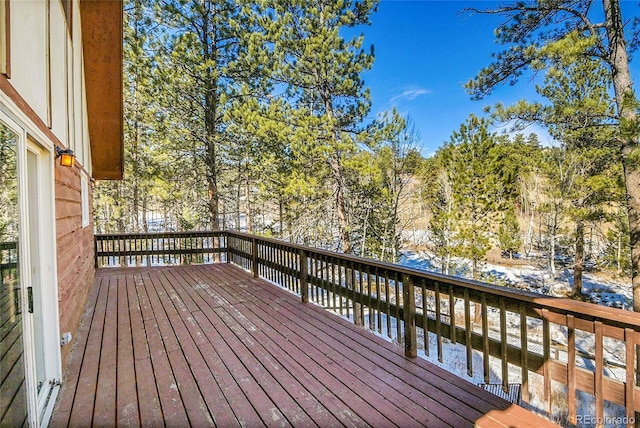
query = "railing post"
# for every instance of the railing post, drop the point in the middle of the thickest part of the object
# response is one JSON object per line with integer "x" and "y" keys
{"x": 409, "y": 309}
{"x": 304, "y": 273}
{"x": 254, "y": 254}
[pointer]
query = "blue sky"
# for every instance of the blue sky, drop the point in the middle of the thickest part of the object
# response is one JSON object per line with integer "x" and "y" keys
{"x": 425, "y": 51}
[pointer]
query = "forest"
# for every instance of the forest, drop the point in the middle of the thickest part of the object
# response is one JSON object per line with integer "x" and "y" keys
{"x": 254, "y": 115}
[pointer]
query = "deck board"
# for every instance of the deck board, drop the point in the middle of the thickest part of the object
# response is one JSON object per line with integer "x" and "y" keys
{"x": 210, "y": 345}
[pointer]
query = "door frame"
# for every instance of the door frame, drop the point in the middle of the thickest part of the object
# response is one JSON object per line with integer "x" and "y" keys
{"x": 46, "y": 250}
{"x": 39, "y": 405}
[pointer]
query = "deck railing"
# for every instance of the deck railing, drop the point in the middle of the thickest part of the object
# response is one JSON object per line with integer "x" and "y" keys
{"x": 580, "y": 355}
{"x": 166, "y": 248}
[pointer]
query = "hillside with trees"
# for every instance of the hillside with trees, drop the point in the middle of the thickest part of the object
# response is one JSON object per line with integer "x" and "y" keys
{"x": 255, "y": 116}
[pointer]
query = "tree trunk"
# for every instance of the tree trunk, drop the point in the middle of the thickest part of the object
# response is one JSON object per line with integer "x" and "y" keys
{"x": 619, "y": 255}
{"x": 579, "y": 260}
{"x": 619, "y": 62}
{"x": 341, "y": 209}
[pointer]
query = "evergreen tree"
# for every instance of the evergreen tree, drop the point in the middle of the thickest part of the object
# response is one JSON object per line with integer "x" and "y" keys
{"x": 473, "y": 173}
{"x": 321, "y": 74}
{"x": 578, "y": 115}
{"x": 443, "y": 221}
{"x": 509, "y": 234}
{"x": 203, "y": 38}
{"x": 537, "y": 31}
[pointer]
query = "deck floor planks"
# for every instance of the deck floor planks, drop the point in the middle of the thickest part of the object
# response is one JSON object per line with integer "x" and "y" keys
{"x": 66, "y": 396}
{"x": 343, "y": 366}
{"x": 344, "y": 369}
{"x": 84, "y": 399}
{"x": 205, "y": 345}
{"x": 286, "y": 405}
{"x": 173, "y": 410}
{"x": 105, "y": 403}
{"x": 201, "y": 379}
{"x": 150, "y": 412}
{"x": 463, "y": 398}
{"x": 127, "y": 410}
{"x": 323, "y": 382}
{"x": 199, "y": 349}
{"x": 326, "y": 395}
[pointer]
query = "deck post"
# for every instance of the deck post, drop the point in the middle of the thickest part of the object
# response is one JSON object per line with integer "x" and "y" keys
{"x": 409, "y": 312}
{"x": 304, "y": 284}
{"x": 254, "y": 254}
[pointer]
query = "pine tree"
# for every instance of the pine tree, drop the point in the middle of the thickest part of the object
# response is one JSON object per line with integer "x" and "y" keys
{"x": 538, "y": 31}
{"x": 321, "y": 73}
{"x": 473, "y": 174}
{"x": 509, "y": 237}
{"x": 204, "y": 40}
{"x": 588, "y": 168}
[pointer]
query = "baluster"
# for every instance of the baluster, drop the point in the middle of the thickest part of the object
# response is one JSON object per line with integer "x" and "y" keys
{"x": 314, "y": 288}
{"x": 322, "y": 280}
{"x": 546, "y": 355}
{"x": 293, "y": 285}
{"x": 571, "y": 369}
{"x": 599, "y": 373}
{"x": 452, "y": 316}
{"x": 504, "y": 348}
{"x": 281, "y": 276}
{"x": 485, "y": 338}
{"x": 524, "y": 353}
{"x": 396, "y": 287}
{"x": 333, "y": 283}
{"x": 378, "y": 313}
{"x": 360, "y": 295}
{"x": 372, "y": 322}
{"x": 425, "y": 315}
{"x": 630, "y": 359}
{"x": 351, "y": 287}
{"x": 467, "y": 331}
{"x": 340, "y": 286}
{"x": 388, "y": 303}
{"x": 438, "y": 321}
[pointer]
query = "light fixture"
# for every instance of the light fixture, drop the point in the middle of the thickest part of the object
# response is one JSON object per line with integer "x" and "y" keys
{"x": 66, "y": 156}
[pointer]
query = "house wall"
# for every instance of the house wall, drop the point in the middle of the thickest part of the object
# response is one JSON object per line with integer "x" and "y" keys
{"x": 45, "y": 92}
{"x": 75, "y": 252}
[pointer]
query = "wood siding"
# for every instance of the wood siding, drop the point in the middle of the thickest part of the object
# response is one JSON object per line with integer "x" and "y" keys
{"x": 75, "y": 252}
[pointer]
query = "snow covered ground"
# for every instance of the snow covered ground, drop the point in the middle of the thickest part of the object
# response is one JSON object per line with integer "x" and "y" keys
{"x": 536, "y": 279}
{"x": 533, "y": 278}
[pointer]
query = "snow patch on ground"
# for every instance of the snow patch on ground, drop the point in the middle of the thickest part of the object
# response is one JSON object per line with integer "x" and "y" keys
{"x": 531, "y": 277}
{"x": 537, "y": 279}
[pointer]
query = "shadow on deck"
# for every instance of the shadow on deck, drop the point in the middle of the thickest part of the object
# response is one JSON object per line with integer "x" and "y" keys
{"x": 206, "y": 345}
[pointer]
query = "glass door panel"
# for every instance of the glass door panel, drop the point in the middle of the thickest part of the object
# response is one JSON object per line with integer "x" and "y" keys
{"x": 13, "y": 386}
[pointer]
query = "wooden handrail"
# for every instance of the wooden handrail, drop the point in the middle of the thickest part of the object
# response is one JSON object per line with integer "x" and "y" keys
{"x": 539, "y": 334}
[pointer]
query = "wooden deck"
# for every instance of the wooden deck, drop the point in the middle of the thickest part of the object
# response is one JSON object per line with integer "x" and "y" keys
{"x": 211, "y": 345}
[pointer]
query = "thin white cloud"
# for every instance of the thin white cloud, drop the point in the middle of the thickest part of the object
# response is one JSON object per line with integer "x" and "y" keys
{"x": 409, "y": 94}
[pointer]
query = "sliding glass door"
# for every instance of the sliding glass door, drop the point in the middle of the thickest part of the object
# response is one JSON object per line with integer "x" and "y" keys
{"x": 13, "y": 384}
{"x": 29, "y": 348}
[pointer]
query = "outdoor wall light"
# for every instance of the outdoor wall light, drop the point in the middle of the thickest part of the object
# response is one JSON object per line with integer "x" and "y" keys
{"x": 66, "y": 156}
